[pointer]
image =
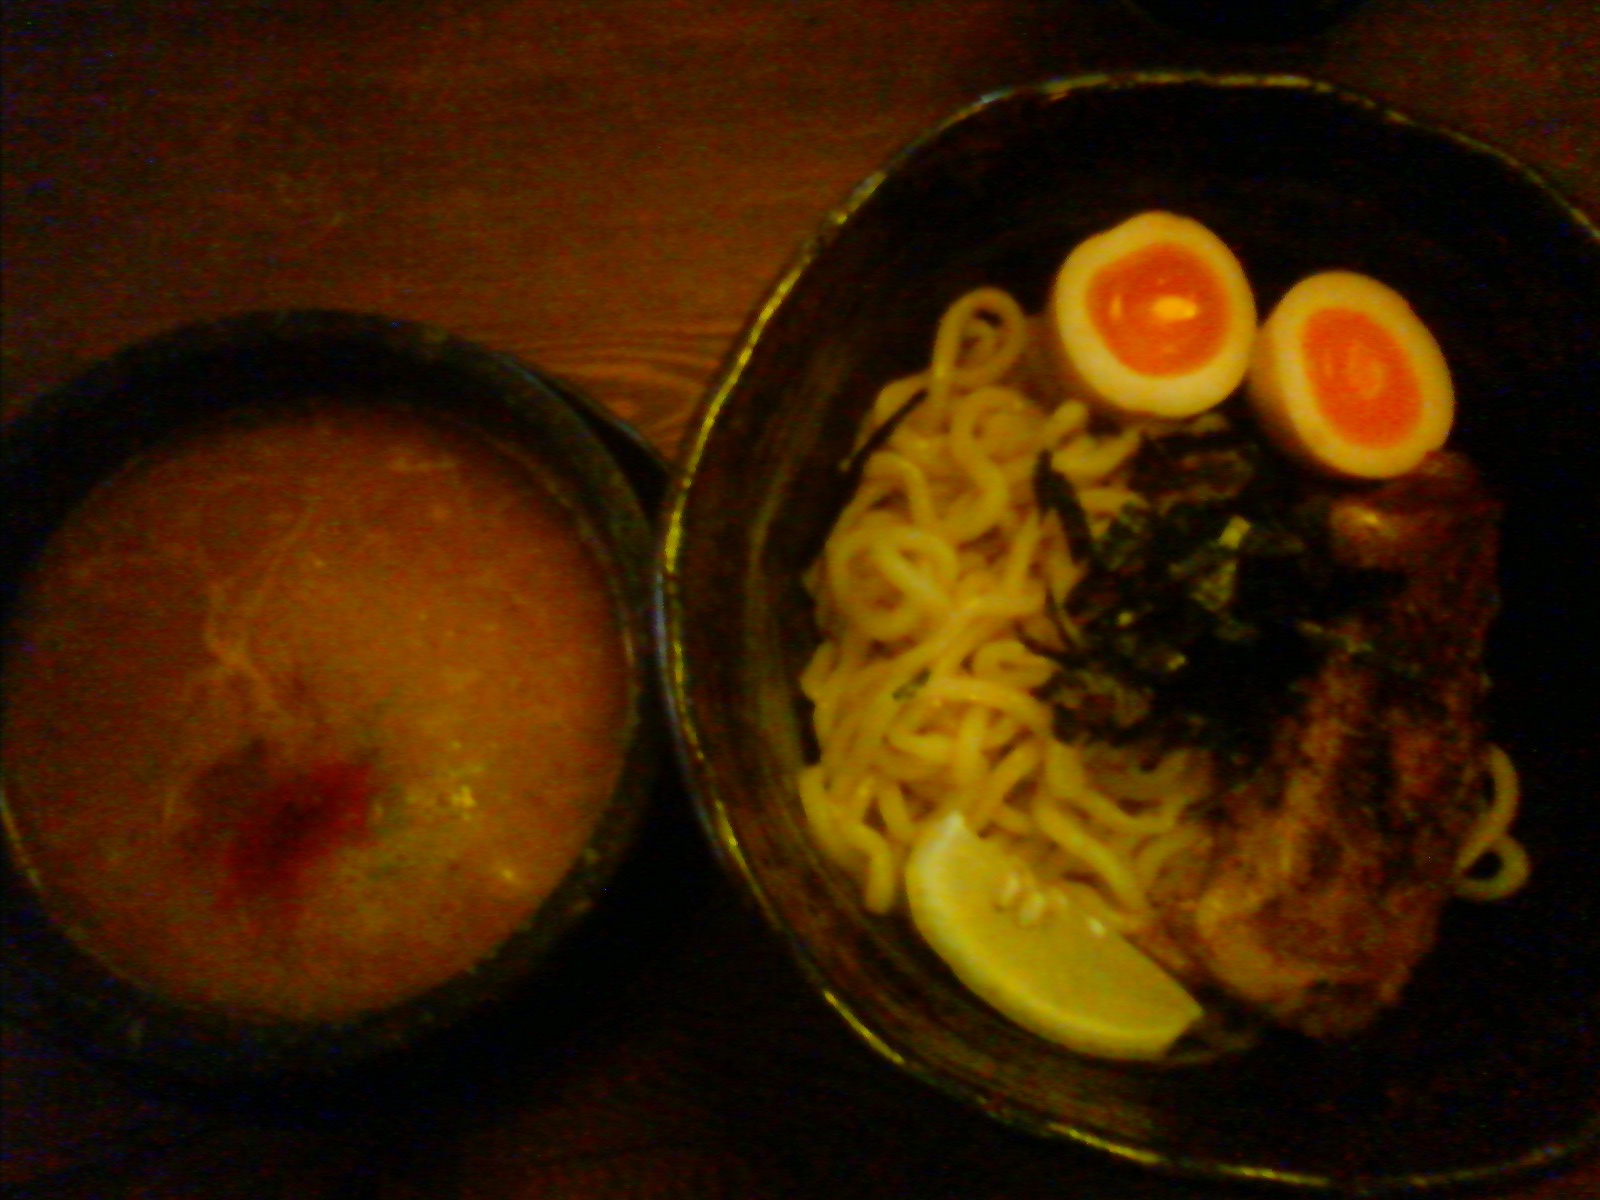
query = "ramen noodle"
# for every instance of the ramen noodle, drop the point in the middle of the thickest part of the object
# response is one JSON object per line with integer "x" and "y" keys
{"x": 938, "y": 598}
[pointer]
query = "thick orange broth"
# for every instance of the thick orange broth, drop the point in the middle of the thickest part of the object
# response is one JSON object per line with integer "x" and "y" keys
{"x": 305, "y": 716}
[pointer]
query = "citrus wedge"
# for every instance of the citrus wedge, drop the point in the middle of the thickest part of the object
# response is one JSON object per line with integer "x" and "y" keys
{"x": 1049, "y": 966}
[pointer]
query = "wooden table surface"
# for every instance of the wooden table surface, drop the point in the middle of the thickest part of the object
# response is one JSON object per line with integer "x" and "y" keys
{"x": 606, "y": 188}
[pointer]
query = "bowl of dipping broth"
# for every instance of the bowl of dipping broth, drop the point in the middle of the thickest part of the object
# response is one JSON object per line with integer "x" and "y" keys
{"x": 328, "y": 710}
{"x": 1119, "y": 618}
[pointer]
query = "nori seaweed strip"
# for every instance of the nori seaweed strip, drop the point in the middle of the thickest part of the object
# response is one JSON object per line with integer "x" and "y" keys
{"x": 1055, "y": 494}
{"x": 1198, "y": 611}
{"x": 857, "y": 462}
{"x": 854, "y": 466}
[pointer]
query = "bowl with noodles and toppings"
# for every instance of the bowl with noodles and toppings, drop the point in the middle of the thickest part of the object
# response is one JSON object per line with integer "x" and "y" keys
{"x": 1112, "y": 613}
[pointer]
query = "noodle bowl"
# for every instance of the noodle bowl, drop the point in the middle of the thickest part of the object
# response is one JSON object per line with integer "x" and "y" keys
{"x": 994, "y": 196}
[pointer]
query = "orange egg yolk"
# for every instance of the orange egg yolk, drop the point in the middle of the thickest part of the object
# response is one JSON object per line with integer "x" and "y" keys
{"x": 1161, "y": 310}
{"x": 1360, "y": 377}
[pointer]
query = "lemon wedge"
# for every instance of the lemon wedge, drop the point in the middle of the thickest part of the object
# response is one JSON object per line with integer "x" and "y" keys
{"x": 1044, "y": 962}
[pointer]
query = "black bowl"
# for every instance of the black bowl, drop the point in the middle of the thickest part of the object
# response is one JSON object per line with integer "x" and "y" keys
{"x": 73, "y": 438}
{"x": 1246, "y": 20}
{"x": 1490, "y": 1067}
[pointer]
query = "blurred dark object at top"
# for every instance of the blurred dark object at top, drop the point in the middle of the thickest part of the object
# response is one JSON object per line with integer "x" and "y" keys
{"x": 1246, "y": 20}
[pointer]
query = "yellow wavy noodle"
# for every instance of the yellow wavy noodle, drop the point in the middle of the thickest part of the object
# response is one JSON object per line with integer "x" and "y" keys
{"x": 1492, "y": 864}
{"x": 932, "y": 593}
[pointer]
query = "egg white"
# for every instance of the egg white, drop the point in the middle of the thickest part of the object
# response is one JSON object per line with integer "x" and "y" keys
{"x": 1093, "y": 371}
{"x": 1281, "y": 391}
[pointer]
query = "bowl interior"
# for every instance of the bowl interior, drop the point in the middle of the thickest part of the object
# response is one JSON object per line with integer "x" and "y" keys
{"x": 80, "y": 434}
{"x": 1489, "y": 1067}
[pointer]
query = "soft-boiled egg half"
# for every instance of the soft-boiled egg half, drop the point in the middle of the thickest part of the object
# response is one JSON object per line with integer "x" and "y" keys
{"x": 1153, "y": 318}
{"x": 1347, "y": 378}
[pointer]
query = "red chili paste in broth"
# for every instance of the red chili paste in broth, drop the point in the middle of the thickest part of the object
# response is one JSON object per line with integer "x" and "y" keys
{"x": 303, "y": 717}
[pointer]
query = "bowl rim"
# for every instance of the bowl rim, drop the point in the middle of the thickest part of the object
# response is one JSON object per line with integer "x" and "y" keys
{"x": 614, "y": 479}
{"x": 714, "y": 810}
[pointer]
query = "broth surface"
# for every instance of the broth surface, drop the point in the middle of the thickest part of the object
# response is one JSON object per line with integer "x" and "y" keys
{"x": 305, "y": 716}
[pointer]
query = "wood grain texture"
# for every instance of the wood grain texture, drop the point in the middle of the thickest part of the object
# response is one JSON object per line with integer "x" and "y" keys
{"x": 606, "y": 188}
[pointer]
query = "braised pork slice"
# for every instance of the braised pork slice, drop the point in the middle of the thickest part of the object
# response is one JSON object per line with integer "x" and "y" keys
{"x": 1324, "y": 871}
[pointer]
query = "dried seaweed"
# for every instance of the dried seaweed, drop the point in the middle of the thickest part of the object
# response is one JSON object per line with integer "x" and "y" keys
{"x": 1202, "y": 605}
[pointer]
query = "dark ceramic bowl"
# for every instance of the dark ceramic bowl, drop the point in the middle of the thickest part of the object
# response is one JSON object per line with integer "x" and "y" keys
{"x": 1490, "y": 1067}
{"x": 1246, "y": 20}
{"x": 80, "y": 434}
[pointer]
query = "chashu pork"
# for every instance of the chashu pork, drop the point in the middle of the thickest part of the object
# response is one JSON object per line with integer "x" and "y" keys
{"x": 1322, "y": 874}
